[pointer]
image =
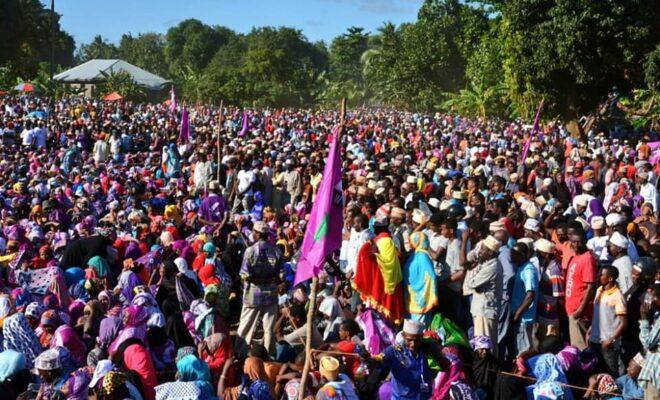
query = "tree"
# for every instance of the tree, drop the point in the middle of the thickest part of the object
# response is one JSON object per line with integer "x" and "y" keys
{"x": 26, "y": 37}
{"x": 97, "y": 48}
{"x": 147, "y": 50}
{"x": 573, "y": 52}
{"x": 193, "y": 44}
{"x": 122, "y": 83}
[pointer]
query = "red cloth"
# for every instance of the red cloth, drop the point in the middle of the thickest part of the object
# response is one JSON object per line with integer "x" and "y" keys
{"x": 137, "y": 358}
{"x": 371, "y": 286}
{"x": 207, "y": 275}
{"x": 352, "y": 363}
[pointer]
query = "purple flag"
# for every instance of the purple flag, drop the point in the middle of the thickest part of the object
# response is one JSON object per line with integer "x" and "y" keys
{"x": 246, "y": 124}
{"x": 323, "y": 234}
{"x": 531, "y": 135}
{"x": 172, "y": 100}
{"x": 184, "y": 133}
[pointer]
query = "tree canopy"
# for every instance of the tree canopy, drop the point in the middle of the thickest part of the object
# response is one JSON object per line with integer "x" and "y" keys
{"x": 486, "y": 58}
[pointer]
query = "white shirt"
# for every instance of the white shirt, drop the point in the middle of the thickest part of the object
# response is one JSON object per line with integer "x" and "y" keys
{"x": 624, "y": 265}
{"x": 650, "y": 195}
{"x": 40, "y": 135}
{"x": 100, "y": 151}
{"x": 597, "y": 244}
{"x": 27, "y": 136}
{"x": 355, "y": 242}
{"x": 245, "y": 179}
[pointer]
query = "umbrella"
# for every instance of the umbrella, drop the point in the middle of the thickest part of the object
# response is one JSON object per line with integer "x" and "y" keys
{"x": 25, "y": 87}
{"x": 112, "y": 96}
{"x": 38, "y": 114}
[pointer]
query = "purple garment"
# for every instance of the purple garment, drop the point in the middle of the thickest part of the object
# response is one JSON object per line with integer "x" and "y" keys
{"x": 213, "y": 208}
{"x": 108, "y": 331}
{"x": 78, "y": 384}
{"x": 385, "y": 391}
{"x": 596, "y": 208}
{"x": 378, "y": 335}
{"x": 132, "y": 251}
{"x": 127, "y": 286}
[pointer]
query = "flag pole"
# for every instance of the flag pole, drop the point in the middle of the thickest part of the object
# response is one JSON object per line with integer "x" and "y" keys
{"x": 217, "y": 168}
{"x": 312, "y": 295}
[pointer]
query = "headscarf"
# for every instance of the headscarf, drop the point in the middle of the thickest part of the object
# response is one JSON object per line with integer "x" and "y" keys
{"x": 65, "y": 336}
{"x": 207, "y": 275}
{"x": 331, "y": 308}
{"x": 74, "y": 275}
{"x": 112, "y": 381}
{"x": 19, "y": 336}
{"x": 5, "y": 307}
{"x": 254, "y": 369}
{"x": 419, "y": 276}
{"x": 135, "y": 320}
{"x": 136, "y": 315}
{"x": 606, "y": 384}
{"x": 100, "y": 265}
{"x": 34, "y": 310}
{"x": 11, "y": 363}
{"x": 191, "y": 368}
{"x": 78, "y": 384}
{"x": 545, "y": 368}
{"x": 59, "y": 289}
{"x": 108, "y": 330}
{"x": 182, "y": 266}
{"x": 481, "y": 342}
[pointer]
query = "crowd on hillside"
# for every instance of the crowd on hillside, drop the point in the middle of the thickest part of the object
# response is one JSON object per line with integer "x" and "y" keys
{"x": 480, "y": 259}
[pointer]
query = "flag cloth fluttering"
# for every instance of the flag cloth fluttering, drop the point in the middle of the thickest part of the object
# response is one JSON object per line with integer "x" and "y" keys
{"x": 184, "y": 133}
{"x": 246, "y": 124}
{"x": 535, "y": 129}
{"x": 323, "y": 234}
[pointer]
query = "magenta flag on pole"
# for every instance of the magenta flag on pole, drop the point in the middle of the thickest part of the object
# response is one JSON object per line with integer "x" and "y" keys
{"x": 535, "y": 128}
{"x": 246, "y": 124}
{"x": 323, "y": 234}
{"x": 172, "y": 100}
{"x": 184, "y": 133}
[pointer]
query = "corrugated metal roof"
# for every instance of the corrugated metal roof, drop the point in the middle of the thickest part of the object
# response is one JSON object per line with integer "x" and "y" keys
{"x": 91, "y": 72}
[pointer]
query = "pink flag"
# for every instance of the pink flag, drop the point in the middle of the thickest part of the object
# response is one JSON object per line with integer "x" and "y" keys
{"x": 184, "y": 133}
{"x": 323, "y": 234}
{"x": 535, "y": 128}
{"x": 246, "y": 124}
{"x": 172, "y": 100}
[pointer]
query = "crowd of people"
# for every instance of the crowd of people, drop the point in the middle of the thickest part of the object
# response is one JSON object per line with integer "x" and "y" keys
{"x": 480, "y": 259}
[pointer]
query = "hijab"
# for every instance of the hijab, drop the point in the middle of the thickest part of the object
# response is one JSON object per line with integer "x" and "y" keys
{"x": 19, "y": 336}
{"x": 331, "y": 308}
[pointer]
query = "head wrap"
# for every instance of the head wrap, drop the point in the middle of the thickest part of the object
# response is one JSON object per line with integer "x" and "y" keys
{"x": 481, "y": 342}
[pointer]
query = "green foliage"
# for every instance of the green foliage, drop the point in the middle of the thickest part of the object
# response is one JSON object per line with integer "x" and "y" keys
{"x": 26, "y": 37}
{"x": 98, "y": 48}
{"x": 122, "y": 83}
{"x": 573, "y": 51}
{"x": 146, "y": 51}
{"x": 480, "y": 58}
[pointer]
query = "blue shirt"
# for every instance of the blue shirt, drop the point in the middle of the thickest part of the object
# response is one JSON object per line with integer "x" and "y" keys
{"x": 409, "y": 373}
{"x": 629, "y": 388}
{"x": 527, "y": 280}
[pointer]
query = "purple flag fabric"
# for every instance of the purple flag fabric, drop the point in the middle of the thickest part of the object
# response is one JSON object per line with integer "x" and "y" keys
{"x": 172, "y": 100}
{"x": 246, "y": 124}
{"x": 323, "y": 234}
{"x": 531, "y": 135}
{"x": 184, "y": 133}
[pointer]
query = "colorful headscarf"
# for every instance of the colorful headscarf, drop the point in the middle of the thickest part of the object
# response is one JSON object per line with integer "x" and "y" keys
{"x": 419, "y": 277}
{"x": 481, "y": 342}
{"x": 191, "y": 368}
{"x": 112, "y": 381}
{"x": 606, "y": 384}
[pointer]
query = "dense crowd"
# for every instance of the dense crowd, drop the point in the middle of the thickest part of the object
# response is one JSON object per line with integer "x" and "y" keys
{"x": 139, "y": 263}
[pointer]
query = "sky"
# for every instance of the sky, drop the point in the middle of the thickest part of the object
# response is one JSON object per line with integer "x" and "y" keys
{"x": 318, "y": 19}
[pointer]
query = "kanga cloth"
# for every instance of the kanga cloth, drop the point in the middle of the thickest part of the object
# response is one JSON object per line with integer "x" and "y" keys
{"x": 448, "y": 332}
{"x": 419, "y": 277}
{"x": 378, "y": 278}
{"x": 182, "y": 391}
{"x": 37, "y": 281}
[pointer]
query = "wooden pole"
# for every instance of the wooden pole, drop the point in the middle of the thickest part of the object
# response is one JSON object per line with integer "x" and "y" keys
{"x": 217, "y": 168}
{"x": 312, "y": 296}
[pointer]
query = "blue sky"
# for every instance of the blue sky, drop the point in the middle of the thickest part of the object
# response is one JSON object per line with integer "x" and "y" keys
{"x": 318, "y": 19}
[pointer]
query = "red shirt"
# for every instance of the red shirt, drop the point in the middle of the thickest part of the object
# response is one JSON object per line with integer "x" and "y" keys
{"x": 582, "y": 270}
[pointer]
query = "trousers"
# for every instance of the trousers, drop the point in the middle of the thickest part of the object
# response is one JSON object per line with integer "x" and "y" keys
{"x": 247, "y": 327}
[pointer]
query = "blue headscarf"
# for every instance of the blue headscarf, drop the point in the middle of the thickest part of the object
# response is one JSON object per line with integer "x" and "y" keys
{"x": 191, "y": 368}
{"x": 11, "y": 363}
{"x": 419, "y": 277}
